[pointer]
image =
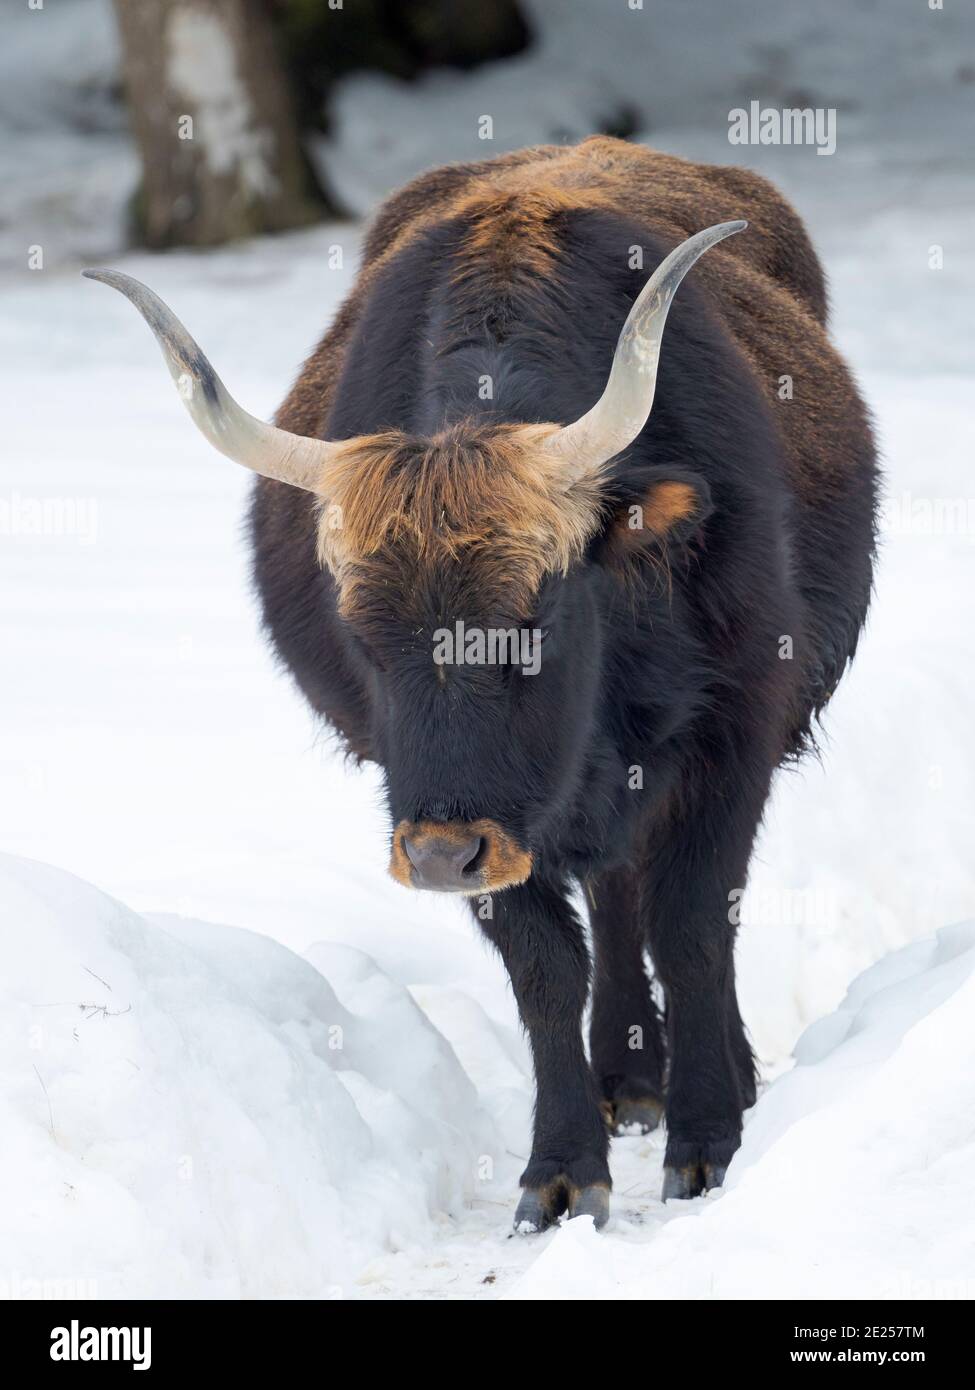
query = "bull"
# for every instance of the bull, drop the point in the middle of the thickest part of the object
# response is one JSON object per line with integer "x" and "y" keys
{"x": 471, "y": 450}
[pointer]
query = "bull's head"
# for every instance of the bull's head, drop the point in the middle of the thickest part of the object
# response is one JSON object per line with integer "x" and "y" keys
{"x": 455, "y": 559}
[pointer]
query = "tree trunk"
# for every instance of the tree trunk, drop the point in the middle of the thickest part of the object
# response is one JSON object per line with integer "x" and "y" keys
{"x": 214, "y": 121}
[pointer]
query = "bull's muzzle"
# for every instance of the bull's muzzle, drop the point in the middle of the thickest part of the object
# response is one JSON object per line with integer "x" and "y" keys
{"x": 457, "y": 856}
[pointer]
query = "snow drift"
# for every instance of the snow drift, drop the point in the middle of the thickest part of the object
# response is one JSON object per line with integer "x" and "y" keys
{"x": 193, "y": 1110}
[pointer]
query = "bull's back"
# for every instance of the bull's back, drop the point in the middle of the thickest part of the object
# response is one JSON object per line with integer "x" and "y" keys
{"x": 767, "y": 285}
{"x": 672, "y": 197}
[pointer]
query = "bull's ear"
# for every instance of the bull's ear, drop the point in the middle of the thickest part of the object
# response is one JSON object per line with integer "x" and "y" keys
{"x": 665, "y": 514}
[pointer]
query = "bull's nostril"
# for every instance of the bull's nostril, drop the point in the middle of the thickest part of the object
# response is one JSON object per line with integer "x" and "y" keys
{"x": 476, "y": 861}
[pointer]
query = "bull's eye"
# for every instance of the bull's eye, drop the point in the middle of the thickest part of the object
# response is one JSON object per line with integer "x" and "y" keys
{"x": 539, "y": 637}
{"x": 370, "y": 655}
{"x": 529, "y": 654}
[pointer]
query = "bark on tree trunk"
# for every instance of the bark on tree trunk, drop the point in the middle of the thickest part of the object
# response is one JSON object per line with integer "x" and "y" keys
{"x": 214, "y": 121}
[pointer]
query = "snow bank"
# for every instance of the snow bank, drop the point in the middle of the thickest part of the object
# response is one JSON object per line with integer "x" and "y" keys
{"x": 194, "y": 1111}
{"x": 856, "y": 1175}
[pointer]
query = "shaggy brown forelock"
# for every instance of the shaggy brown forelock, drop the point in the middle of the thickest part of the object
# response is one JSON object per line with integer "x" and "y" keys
{"x": 489, "y": 495}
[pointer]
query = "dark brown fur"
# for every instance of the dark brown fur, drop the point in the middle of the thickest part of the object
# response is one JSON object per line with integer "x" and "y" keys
{"x": 766, "y": 285}
{"x": 510, "y": 201}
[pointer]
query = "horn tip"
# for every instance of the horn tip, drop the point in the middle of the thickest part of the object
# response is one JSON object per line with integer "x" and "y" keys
{"x": 106, "y": 276}
{"x": 134, "y": 290}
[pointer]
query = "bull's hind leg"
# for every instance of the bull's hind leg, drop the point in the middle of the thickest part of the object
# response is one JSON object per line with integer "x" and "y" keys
{"x": 625, "y": 1035}
{"x": 740, "y": 1046}
{"x": 542, "y": 944}
{"x": 711, "y": 1079}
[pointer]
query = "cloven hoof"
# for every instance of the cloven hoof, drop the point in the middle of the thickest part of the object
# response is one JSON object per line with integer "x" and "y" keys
{"x": 541, "y": 1207}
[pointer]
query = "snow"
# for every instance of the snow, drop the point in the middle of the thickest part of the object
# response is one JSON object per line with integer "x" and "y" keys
{"x": 674, "y": 71}
{"x": 194, "y": 1110}
{"x": 206, "y": 1138}
{"x": 67, "y": 163}
{"x": 201, "y": 1112}
{"x": 873, "y": 1131}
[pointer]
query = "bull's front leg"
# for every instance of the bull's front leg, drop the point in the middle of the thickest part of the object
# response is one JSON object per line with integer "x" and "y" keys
{"x": 687, "y": 893}
{"x": 543, "y": 947}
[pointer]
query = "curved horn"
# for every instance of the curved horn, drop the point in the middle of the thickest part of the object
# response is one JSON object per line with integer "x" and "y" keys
{"x": 290, "y": 458}
{"x": 624, "y": 407}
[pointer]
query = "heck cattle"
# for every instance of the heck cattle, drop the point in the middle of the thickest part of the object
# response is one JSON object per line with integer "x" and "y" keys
{"x": 471, "y": 450}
